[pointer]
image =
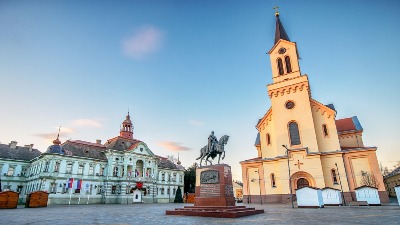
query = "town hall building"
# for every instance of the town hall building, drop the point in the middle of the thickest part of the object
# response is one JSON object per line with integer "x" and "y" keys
{"x": 300, "y": 142}
{"x": 123, "y": 170}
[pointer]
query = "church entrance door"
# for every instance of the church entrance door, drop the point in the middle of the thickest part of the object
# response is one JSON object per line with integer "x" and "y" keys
{"x": 302, "y": 182}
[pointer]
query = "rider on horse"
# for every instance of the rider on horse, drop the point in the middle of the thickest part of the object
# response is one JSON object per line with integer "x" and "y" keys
{"x": 212, "y": 141}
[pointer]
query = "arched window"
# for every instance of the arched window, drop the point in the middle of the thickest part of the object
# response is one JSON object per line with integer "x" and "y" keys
{"x": 334, "y": 177}
{"x": 325, "y": 130}
{"x": 268, "y": 139}
{"x": 288, "y": 65}
{"x": 273, "y": 184}
{"x": 280, "y": 66}
{"x": 294, "y": 133}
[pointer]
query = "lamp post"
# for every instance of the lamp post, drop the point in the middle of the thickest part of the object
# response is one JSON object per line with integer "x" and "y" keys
{"x": 340, "y": 181}
{"x": 259, "y": 184}
{"x": 290, "y": 179}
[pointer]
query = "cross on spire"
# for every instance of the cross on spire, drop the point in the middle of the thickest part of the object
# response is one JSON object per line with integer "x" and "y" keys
{"x": 276, "y": 10}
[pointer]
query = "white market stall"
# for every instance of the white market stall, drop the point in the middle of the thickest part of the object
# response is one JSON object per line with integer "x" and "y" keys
{"x": 368, "y": 194}
{"x": 309, "y": 197}
{"x": 331, "y": 196}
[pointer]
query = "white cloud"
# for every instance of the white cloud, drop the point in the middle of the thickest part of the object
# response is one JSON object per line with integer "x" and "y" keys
{"x": 92, "y": 123}
{"x": 173, "y": 146}
{"x": 144, "y": 41}
{"x": 196, "y": 122}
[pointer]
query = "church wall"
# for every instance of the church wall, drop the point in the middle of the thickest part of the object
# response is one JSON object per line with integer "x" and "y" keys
{"x": 270, "y": 168}
{"x": 322, "y": 116}
{"x": 328, "y": 163}
{"x": 351, "y": 140}
{"x": 268, "y": 151}
{"x": 301, "y": 114}
{"x": 310, "y": 164}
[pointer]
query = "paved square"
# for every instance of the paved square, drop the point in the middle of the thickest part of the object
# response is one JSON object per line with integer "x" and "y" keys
{"x": 155, "y": 214}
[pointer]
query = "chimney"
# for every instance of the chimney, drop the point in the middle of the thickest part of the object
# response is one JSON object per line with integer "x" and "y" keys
{"x": 13, "y": 144}
{"x": 29, "y": 146}
{"x": 98, "y": 141}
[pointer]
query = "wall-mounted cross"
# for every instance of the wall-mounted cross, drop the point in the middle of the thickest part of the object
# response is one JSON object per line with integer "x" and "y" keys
{"x": 298, "y": 163}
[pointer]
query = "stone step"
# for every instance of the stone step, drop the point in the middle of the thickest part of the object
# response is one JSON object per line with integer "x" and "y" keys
{"x": 216, "y": 214}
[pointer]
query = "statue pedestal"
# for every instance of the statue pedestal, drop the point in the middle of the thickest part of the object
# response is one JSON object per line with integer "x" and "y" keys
{"x": 214, "y": 186}
{"x": 214, "y": 195}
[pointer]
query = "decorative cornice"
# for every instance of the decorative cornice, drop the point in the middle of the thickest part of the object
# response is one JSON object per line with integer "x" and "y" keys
{"x": 289, "y": 89}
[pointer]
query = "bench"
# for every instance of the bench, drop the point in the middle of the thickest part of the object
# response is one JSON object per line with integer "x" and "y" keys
{"x": 358, "y": 203}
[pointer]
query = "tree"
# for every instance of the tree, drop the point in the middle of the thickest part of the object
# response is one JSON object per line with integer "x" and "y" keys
{"x": 178, "y": 196}
{"x": 190, "y": 179}
{"x": 369, "y": 179}
{"x": 384, "y": 169}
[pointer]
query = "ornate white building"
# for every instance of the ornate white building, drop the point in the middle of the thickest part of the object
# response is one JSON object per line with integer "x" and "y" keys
{"x": 123, "y": 170}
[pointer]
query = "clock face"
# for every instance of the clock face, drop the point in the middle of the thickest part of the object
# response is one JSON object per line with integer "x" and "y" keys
{"x": 282, "y": 50}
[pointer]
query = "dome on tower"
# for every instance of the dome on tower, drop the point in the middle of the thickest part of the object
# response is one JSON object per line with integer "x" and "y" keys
{"x": 56, "y": 148}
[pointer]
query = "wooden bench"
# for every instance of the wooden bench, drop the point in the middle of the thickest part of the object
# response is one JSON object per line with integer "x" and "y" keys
{"x": 358, "y": 203}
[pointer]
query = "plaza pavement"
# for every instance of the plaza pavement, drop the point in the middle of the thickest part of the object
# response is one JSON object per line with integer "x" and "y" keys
{"x": 148, "y": 214}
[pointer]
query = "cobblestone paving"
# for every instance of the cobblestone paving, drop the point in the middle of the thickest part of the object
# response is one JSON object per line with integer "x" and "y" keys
{"x": 148, "y": 214}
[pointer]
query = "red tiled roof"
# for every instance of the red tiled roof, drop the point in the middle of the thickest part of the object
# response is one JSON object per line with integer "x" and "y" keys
{"x": 86, "y": 143}
{"x": 345, "y": 124}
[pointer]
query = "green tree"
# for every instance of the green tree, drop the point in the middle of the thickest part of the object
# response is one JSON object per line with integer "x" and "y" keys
{"x": 190, "y": 179}
{"x": 178, "y": 196}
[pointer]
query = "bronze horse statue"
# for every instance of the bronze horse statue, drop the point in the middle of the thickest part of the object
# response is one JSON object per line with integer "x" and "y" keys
{"x": 218, "y": 150}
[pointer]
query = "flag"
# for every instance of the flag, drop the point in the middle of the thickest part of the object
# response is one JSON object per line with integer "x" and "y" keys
{"x": 78, "y": 184}
{"x": 70, "y": 181}
{"x": 87, "y": 186}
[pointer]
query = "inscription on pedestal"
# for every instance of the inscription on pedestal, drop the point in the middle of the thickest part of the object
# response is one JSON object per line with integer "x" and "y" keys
{"x": 228, "y": 190}
{"x": 209, "y": 190}
{"x": 209, "y": 177}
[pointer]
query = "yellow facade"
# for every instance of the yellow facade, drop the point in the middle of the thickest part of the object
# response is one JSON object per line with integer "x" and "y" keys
{"x": 303, "y": 135}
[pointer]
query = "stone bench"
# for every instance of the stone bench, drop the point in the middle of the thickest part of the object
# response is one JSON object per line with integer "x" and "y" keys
{"x": 358, "y": 203}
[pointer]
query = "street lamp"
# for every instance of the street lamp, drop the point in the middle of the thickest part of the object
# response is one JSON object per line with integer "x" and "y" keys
{"x": 259, "y": 184}
{"x": 340, "y": 181}
{"x": 290, "y": 179}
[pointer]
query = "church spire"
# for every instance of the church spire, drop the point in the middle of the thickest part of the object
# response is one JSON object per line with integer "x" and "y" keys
{"x": 57, "y": 141}
{"x": 127, "y": 128}
{"x": 280, "y": 32}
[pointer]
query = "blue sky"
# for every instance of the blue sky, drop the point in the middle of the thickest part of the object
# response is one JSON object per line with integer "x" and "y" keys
{"x": 185, "y": 68}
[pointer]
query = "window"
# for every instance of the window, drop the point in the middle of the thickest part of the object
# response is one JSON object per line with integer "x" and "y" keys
{"x": 101, "y": 172}
{"x": 288, "y": 66}
{"x": 325, "y": 130}
{"x": 99, "y": 189}
{"x": 113, "y": 189}
{"x": 46, "y": 167}
{"x": 162, "y": 191}
{"x": 280, "y": 66}
{"x": 302, "y": 182}
{"x": 19, "y": 188}
{"x": 53, "y": 187}
{"x": 173, "y": 191}
{"x": 268, "y": 139}
{"x": 56, "y": 166}
{"x": 167, "y": 191}
{"x": 80, "y": 169}
{"x": 10, "y": 171}
{"x": 334, "y": 177}
{"x": 294, "y": 133}
{"x": 69, "y": 168}
{"x": 64, "y": 190}
{"x": 115, "y": 172}
{"x": 91, "y": 170}
{"x": 273, "y": 184}
{"x": 163, "y": 177}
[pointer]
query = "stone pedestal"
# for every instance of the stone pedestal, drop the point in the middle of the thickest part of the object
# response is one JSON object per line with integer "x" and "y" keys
{"x": 214, "y": 195}
{"x": 214, "y": 186}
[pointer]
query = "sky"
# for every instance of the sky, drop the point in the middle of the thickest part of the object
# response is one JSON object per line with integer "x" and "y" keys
{"x": 186, "y": 68}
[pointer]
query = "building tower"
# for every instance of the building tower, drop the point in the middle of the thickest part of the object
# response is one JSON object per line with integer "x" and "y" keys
{"x": 126, "y": 128}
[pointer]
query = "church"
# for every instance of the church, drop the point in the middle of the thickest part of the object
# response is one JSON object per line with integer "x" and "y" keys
{"x": 300, "y": 142}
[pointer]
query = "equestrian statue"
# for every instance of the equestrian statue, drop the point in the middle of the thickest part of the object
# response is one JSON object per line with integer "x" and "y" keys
{"x": 213, "y": 148}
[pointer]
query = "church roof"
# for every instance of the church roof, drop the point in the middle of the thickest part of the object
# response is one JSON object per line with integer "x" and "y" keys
{"x": 280, "y": 32}
{"x": 84, "y": 149}
{"x": 18, "y": 153}
{"x": 257, "y": 140}
{"x": 348, "y": 124}
{"x": 122, "y": 144}
{"x": 393, "y": 173}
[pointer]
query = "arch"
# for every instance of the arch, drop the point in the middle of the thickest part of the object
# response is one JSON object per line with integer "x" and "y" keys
{"x": 302, "y": 182}
{"x": 294, "y": 135}
{"x": 280, "y": 66}
{"x": 288, "y": 65}
{"x": 139, "y": 168}
{"x": 297, "y": 178}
